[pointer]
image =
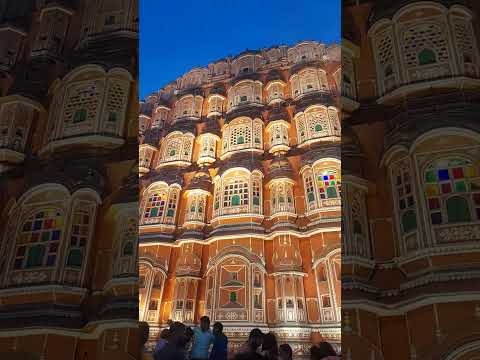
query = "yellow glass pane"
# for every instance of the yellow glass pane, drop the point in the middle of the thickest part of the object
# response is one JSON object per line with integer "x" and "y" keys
{"x": 432, "y": 190}
{"x": 469, "y": 171}
{"x": 58, "y": 222}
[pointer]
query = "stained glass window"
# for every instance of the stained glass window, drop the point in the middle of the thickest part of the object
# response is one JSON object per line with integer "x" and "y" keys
{"x": 329, "y": 184}
{"x": 38, "y": 241}
{"x": 156, "y": 205}
{"x": 446, "y": 178}
{"x": 79, "y": 116}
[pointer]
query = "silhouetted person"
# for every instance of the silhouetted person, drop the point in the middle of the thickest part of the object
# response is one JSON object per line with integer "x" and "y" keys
{"x": 249, "y": 351}
{"x": 270, "y": 347}
{"x": 176, "y": 341}
{"x": 202, "y": 339}
{"x": 323, "y": 351}
{"x": 220, "y": 343}
{"x": 162, "y": 340}
{"x": 285, "y": 352}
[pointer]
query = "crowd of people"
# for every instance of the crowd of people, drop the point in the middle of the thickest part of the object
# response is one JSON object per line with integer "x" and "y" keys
{"x": 180, "y": 342}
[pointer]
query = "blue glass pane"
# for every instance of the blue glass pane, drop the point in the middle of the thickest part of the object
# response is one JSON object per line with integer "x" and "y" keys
{"x": 325, "y": 177}
{"x": 55, "y": 235}
{"x": 443, "y": 174}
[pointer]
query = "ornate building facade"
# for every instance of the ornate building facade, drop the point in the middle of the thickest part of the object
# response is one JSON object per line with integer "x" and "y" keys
{"x": 68, "y": 179}
{"x": 411, "y": 173}
{"x": 240, "y": 188}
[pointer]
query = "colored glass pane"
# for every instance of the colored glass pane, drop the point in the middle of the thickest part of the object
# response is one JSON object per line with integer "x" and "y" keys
{"x": 18, "y": 264}
{"x": 35, "y": 255}
{"x": 75, "y": 258}
{"x": 51, "y": 260}
{"x": 409, "y": 221}
{"x": 256, "y": 200}
{"x": 55, "y": 235}
{"x": 170, "y": 212}
{"x": 457, "y": 210}
{"x": 233, "y": 296}
{"x": 469, "y": 171}
{"x": 446, "y": 188}
{"x": 460, "y": 186}
{"x": 457, "y": 173}
{"x": 45, "y": 236}
{"x": 153, "y": 212}
{"x": 310, "y": 196}
{"x": 443, "y": 174}
{"x": 80, "y": 116}
{"x": 21, "y": 251}
{"x": 37, "y": 225}
{"x": 35, "y": 237}
{"x": 331, "y": 192}
{"x": 235, "y": 200}
{"x": 240, "y": 140}
{"x": 426, "y": 57}
{"x": 433, "y": 203}
{"x": 318, "y": 128}
{"x": 430, "y": 176}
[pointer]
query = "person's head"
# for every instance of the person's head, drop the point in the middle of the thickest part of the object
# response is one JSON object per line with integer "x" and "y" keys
{"x": 285, "y": 352}
{"x": 255, "y": 339}
{"x": 269, "y": 343}
{"x": 144, "y": 330}
{"x": 321, "y": 351}
{"x": 205, "y": 323}
{"x": 217, "y": 328}
{"x": 164, "y": 334}
{"x": 177, "y": 334}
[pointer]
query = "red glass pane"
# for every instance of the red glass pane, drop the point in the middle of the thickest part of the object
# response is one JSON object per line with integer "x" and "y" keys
{"x": 476, "y": 198}
{"x": 332, "y": 176}
{"x": 47, "y": 224}
{"x": 433, "y": 203}
{"x": 446, "y": 188}
{"x": 21, "y": 251}
{"x": 457, "y": 173}
{"x": 35, "y": 237}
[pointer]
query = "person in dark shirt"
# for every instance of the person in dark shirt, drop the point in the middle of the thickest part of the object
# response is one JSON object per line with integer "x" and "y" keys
{"x": 174, "y": 349}
{"x": 285, "y": 352}
{"x": 270, "y": 347}
{"x": 249, "y": 350}
{"x": 220, "y": 343}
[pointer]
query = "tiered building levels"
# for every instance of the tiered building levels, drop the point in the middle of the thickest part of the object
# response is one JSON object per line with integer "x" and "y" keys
{"x": 240, "y": 196}
{"x": 68, "y": 179}
{"x": 411, "y": 164}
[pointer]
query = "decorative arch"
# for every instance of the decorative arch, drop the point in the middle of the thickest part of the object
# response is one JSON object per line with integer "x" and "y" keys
{"x": 176, "y": 147}
{"x": 159, "y": 203}
{"x": 242, "y": 134}
{"x": 238, "y": 191}
{"x": 317, "y": 123}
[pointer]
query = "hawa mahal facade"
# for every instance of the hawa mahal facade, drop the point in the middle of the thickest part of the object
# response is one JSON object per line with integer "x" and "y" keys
{"x": 240, "y": 188}
{"x": 411, "y": 157}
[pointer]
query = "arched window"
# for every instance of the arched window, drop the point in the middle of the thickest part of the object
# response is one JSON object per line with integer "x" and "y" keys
{"x": 196, "y": 203}
{"x": 281, "y": 196}
{"x": 242, "y": 134}
{"x": 237, "y": 192}
{"x": 39, "y": 239}
{"x": 322, "y": 185}
{"x": 160, "y": 204}
{"x": 317, "y": 122}
{"x": 452, "y": 189}
{"x": 405, "y": 198}
{"x": 176, "y": 147}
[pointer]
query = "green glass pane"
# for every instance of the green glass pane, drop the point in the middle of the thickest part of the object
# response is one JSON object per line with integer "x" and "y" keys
{"x": 80, "y": 115}
{"x": 460, "y": 186}
{"x": 331, "y": 192}
{"x": 233, "y": 296}
{"x": 310, "y": 196}
{"x": 430, "y": 176}
{"x": 257, "y": 141}
{"x": 75, "y": 258}
{"x": 217, "y": 205}
{"x": 172, "y": 152}
{"x": 426, "y": 56}
{"x": 35, "y": 256}
{"x": 170, "y": 212}
{"x": 235, "y": 200}
{"x": 457, "y": 210}
{"x": 240, "y": 140}
{"x": 409, "y": 221}
{"x": 153, "y": 212}
{"x": 192, "y": 208}
{"x": 318, "y": 128}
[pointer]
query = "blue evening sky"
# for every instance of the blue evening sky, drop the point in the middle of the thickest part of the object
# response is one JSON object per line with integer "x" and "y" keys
{"x": 176, "y": 36}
